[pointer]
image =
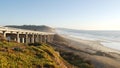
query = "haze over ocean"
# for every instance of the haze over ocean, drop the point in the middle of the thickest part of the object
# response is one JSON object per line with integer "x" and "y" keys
{"x": 107, "y": 38}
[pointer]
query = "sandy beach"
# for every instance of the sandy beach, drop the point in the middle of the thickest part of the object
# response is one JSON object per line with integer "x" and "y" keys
{"x": 99, "y": 55}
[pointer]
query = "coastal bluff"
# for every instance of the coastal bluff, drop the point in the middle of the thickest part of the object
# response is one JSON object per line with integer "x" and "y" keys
{"x": 37, "y": 55}
{"x": 83, "y": 53}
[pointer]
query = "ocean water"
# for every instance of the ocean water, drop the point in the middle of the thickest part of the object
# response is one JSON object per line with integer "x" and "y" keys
{"x": 109, "y": 39}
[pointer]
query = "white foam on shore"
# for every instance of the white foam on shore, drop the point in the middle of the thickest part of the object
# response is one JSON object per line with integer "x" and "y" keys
{"x": 107, "y": 41}
{"x": 95, "y": 45}
{"x": 114, "y": 45}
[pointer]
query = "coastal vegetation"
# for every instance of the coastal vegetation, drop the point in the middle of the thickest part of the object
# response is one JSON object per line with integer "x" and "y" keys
{"x": 38, "y": 55}
{"x": 18, "y": 55}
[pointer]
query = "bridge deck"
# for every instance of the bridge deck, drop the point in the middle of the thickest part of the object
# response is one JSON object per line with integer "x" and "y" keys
{"x": 22, "y": 31}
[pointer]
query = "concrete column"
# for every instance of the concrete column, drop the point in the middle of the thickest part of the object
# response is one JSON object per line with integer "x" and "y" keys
{"x": 37, "y": 40}
{"x": 26, "y": 38}
{"x": 40, "y": 38}
{"x": 52, "y": 38}
{"x": 15, "y": 39}
{"x": 45, "y": 38}
{"x": 49, "y": 38}
{"x": 33, "y": 38}
{"x": 23, "y": 40}
{"x": 18, "y": 38}
{"x": 4, "y": 34}
{"x": 29, "y": 40}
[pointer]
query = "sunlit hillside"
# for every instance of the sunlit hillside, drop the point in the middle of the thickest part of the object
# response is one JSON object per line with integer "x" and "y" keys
{"x": 16, "y": 55}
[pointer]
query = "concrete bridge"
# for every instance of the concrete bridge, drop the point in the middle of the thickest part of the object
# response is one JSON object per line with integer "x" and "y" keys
{"x": 26, "y": 36}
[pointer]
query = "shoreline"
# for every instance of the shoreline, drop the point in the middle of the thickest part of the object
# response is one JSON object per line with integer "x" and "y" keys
{"x": 99, "y": 55}
{"x": 111, "y": 42}
{"x": 94, "y": 44}
{"x": 112, "y": 45}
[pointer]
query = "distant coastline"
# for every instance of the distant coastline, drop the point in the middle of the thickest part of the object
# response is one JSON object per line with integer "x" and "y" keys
{"x": 109, "y": 39}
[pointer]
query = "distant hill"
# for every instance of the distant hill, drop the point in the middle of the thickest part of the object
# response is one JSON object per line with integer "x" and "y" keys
{"x": 34, "y": 27}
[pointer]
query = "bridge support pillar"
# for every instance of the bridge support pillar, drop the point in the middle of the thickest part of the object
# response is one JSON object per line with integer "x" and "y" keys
{"x": 29, "y": 40}
{"x": 45, "y": 38}
{"x": 37, "y": 38}
{"x": 40, "y": 38}
{"x": 4, "y": 34}
{"x": 26, "y": 38}
{"x": 51, "y": 38}
{"x": 33, "y": 38}
{"x": 18, "y": 39}
{"x": 23, "y": 40}
{"x": 48, "y": 38}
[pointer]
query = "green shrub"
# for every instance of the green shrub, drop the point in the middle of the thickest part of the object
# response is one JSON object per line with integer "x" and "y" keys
{"x": 34, "y": 44}
{"x": 48, "y": 66}
{"x": 76, "y": 60}
{"x": 17, "y": 49}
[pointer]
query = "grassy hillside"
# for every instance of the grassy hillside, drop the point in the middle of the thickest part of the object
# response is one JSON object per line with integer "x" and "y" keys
{"x": 16, "y": 55}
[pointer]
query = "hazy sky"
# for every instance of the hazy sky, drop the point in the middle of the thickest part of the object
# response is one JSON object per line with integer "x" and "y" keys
{"x": 77, "y": 14}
